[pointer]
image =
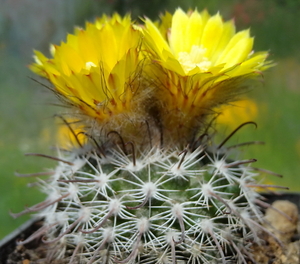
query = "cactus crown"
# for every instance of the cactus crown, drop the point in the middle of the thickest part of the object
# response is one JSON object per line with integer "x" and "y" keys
{"x": 147, "y": 184}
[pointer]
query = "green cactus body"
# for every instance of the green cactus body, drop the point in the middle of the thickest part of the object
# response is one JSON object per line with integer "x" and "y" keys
{"x": 155, "y": 206}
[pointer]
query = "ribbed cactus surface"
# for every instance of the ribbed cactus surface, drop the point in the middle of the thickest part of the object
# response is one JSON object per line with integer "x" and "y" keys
{"x": 123, "y": 205}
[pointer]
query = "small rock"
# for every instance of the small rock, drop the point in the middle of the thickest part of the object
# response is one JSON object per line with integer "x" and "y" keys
{"x": 281, "y": 219}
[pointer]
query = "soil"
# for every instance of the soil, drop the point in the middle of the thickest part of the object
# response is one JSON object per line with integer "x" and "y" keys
{"x": 282, "y": 220}
{"x": 31, "y": 253}
{"x": 10, "y": 253}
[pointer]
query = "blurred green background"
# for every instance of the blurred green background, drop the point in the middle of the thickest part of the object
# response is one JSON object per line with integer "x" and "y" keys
{"x": 26, "y": 122}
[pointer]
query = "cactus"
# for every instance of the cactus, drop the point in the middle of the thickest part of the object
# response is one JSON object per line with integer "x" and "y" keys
{"x": 146, "y": 182}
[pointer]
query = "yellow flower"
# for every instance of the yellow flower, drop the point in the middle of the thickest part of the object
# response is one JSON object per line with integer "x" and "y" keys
{"x": 168, "y": 76}
{"x": 70, "y": 135}
{"x": 242, "y": 111}
{"x": 201, "y": 63}
{"x": 97, "y": 69}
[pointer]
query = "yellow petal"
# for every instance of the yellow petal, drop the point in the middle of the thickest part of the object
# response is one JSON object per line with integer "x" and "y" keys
{"x": 154, "y": 38}
{"x": 69, "y": 59}
{"x": 194, "y": 30}
{"x": 87, "y": 47}
{"x": 227, "y": 34}
{"x": 212, "y": 34}
{"x": 166, "y": 22}
{"x": 230, "y": 46}
{"x": 177, "y": 37}
{"x": 238, "y": 53}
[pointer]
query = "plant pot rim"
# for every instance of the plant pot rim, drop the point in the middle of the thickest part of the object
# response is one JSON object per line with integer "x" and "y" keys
{"x": 14, "y": 234}
{"x": 293, "y": 197}
{"x": 8, "y": 243}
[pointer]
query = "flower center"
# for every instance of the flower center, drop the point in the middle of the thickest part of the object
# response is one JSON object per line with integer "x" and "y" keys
{"x": 195, "y": 58}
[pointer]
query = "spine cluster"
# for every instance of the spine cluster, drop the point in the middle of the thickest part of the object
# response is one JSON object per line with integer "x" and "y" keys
{"x": 123, "y": 205}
